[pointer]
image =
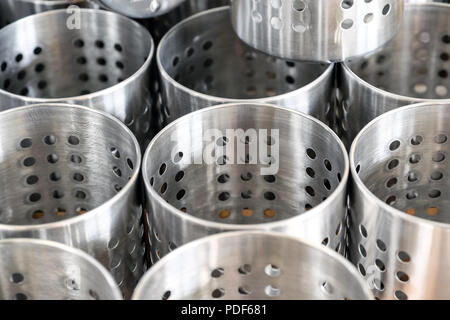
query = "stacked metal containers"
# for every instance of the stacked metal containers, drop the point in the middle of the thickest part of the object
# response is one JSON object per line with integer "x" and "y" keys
{"x": 201, "y": 67}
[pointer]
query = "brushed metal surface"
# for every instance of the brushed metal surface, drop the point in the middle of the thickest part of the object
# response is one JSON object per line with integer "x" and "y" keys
{"x": 255, "y": 266}
{"x": 425, "y": 1}
{"x": 12, "y": 10}
{"x": 400, "y": 204}
{"x": 187, "y": 200}
{"x": 202, "y": 63}
{"x": 70, "y": 174}
{"x": 158, "y": 26}
{"x": 316, "y": 30}
{"x": 105, "y": 65}
{"x": 45, "y": 270}
{"x": 142, "y": 8}
{"x": 413, "y": 68}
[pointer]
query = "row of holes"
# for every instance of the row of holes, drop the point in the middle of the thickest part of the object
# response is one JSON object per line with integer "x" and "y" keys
{"x": 270, "y": 270}
{"x": 49, "y": 140}
{"x": 79, "y": 43}
{"x": 402, "y": 257}
{"x": 100, "y": 44}
{"x": 299, "y": 6}
{"x": 60, "y": 212}
{"x": 207, "y": 45}
{"x": 417, "y": 140}
{"x": 19, "y": 58}
{"x": 415, "y": 158}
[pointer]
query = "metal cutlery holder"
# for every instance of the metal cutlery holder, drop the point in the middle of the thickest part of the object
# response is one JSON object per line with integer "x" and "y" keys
{"x": 412, "y": 68}
{"x": 255, "y": 266}
{"x": 94, "y": 58}
{"x": 45, "y": 270}
{"x": 202, "y": 63}
{"x": 316, "y": 30}
{"x": 400, "y": 222}
{"x": 71, "y": 175}
{"x": 288, "y": 173}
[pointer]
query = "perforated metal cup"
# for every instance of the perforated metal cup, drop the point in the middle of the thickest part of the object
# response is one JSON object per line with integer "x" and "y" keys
{"x": 12, "y": 10}
{"x": 94, "y": 58}
{"x": 45, "y": 270}
{"x": 70, "y": 174}
{"x": 203, "y": 63}
{"x": 252, "y": 265}
{"x": 400, "y": 230}
{"x": 316, "y": 30}
{"x": 412, "y": 68}
{"x": 288, "y": 174}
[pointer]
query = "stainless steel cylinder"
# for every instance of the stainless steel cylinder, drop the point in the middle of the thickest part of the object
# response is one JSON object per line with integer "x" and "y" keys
{"x": 72, "y": 176}
{"x": 412, "y": 68}
{"x": 203, "y": 63}
{"x": 45, "y": 270}
{"x": 255, "y": 266}
{"x": 12, "y": 10}
{"x": 241, "y": 167}
{"x": 316, "y": 30}
{"x": 400, "y": 223}
{"x": 90, "y": 57}
{"x": 142, "y": 8}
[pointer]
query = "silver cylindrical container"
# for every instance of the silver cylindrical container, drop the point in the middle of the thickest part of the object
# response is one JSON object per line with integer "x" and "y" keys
{"x": 72, "y": 176}
{"x": 12, "y": 10}
{"x": 89, "y": 57}
{"x": 316, "y": 30}
{"x": 255, "y": 266}
{"x": 203, "y": 63}
{"x": 412, "y": 68}
{"x": 46, "y": 270}
{"x": 241, "y": 167}
{"x": 400, "y": 226}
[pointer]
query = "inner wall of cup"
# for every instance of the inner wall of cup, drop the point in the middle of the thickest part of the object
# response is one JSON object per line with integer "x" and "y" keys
{"x": 416, "y": 63}
{"x": 236, "y": 259}
{"x": 57, "y": 166}
{"x": 408, "y": 167}
{"x": 19, "y": 280}
{"x": 205, "y": 55}
{"x": 310, "y": 161}
{"x": 59, "y": 62}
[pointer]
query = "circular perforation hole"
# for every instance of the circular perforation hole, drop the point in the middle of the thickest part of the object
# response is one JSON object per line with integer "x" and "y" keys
{"x": 272, "y": 291}
{"x": 217, "y": 273}
{"x": 218, "y": 293}
{"x": 17, "y": 278}
{"x": 272, "y": 270}
{"x": 245, "y": 269}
